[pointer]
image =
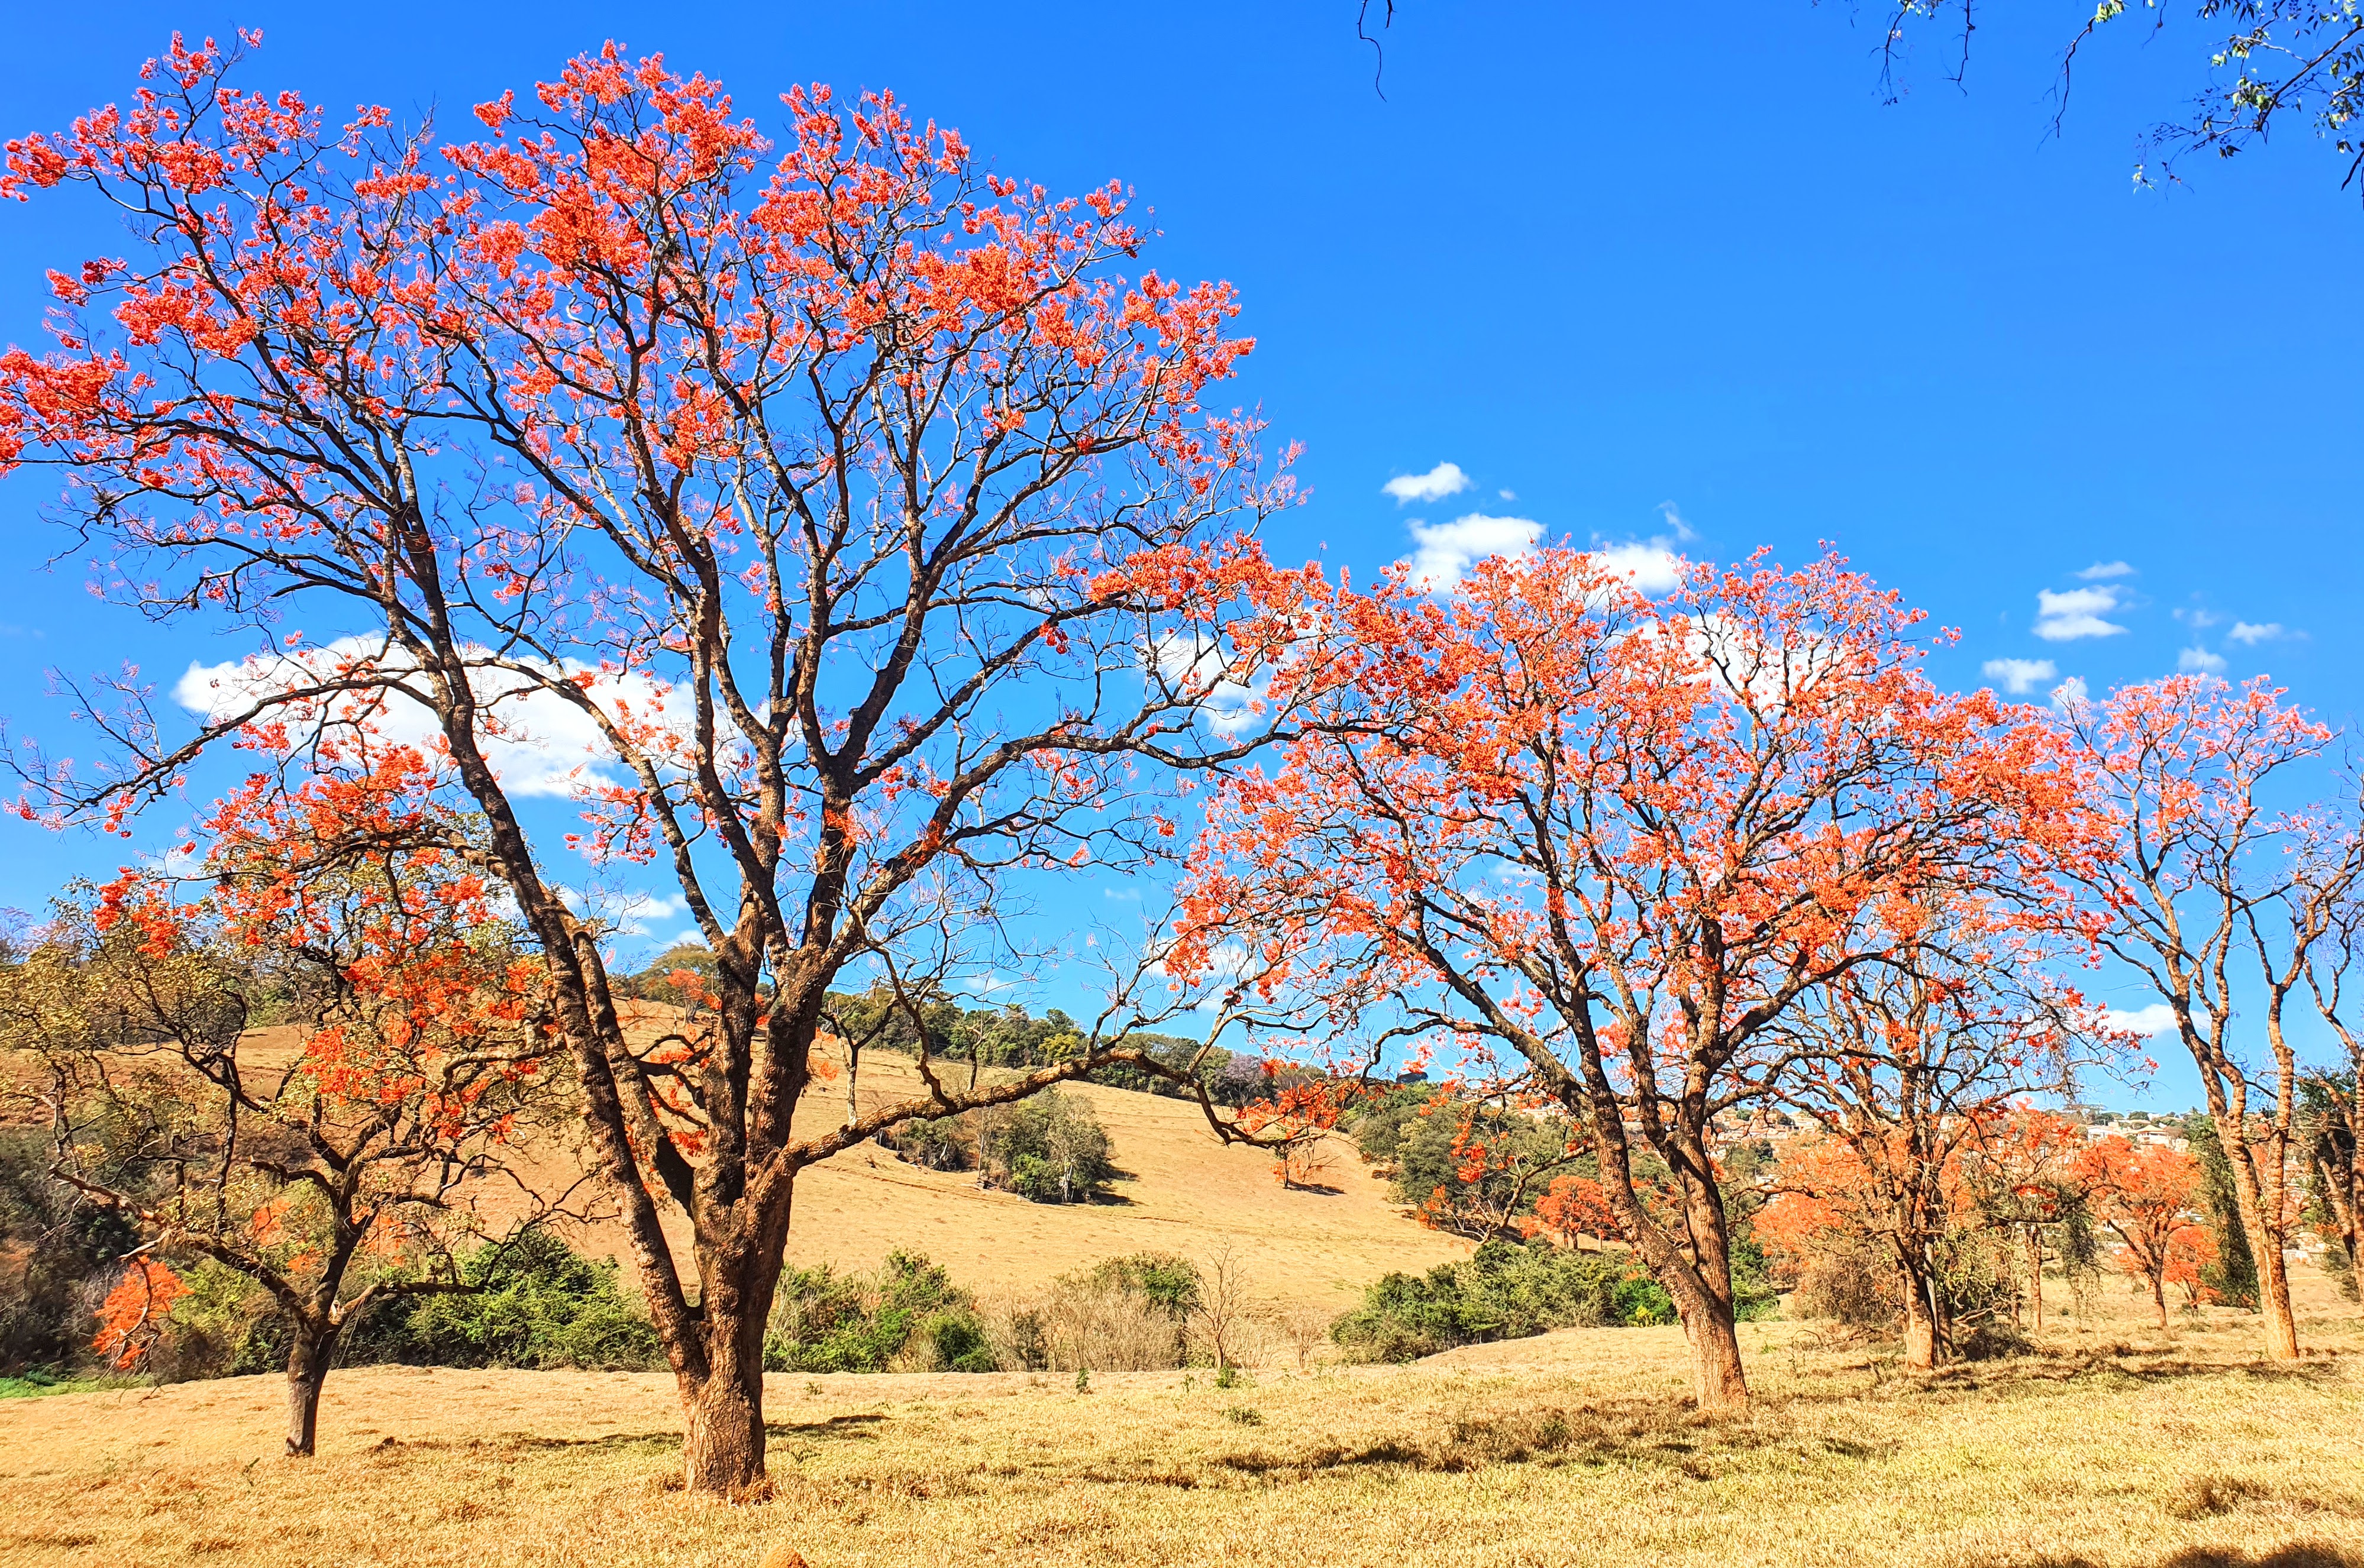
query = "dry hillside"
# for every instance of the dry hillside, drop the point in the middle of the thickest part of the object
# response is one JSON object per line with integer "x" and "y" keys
{"x": 1183, "y": 1192}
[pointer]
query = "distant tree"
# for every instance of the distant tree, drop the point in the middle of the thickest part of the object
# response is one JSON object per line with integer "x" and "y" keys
{"x": 1915, "y": 1061}
{"x": 2145, "y": 1194}
{"x": 1050, "y": 1148}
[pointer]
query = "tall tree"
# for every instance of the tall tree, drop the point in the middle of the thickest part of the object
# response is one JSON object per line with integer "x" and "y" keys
{"x": 2206, "y": 879}
{"x": 1605, "y": 843}
{"x": 352, "y": 1167}
{"x": 840, "y": 503}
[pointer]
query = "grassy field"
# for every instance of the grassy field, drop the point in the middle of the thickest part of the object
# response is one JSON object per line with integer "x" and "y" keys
{"x": 2113, "y": 1446}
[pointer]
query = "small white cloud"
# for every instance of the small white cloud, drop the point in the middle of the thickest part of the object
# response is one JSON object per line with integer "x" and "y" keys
{"x": 1682, "y": 531}
{"x": 2154, "y": 1019}
{"x": 2020, "y": 676}
{"x": 1444, "y": 479}
{"x": 2066, "y": 618}
{"x": 2197, "y": 619}
{"x": 2199, "y": 661}
{"x": 2250, "y": 633}
{"x": 1443, "y": 552}
{"x": 1508, "y": 495}
{"x": 2103, "y": 571}
{"x": 2071, "y": 694}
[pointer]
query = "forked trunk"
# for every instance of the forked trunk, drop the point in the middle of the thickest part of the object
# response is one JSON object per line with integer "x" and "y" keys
{"x": 2265, "y": 1241}
{"x": 307, "y": 1370}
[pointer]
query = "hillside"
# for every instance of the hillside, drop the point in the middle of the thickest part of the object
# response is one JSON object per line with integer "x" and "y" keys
{"x": 1183, "y": 1192}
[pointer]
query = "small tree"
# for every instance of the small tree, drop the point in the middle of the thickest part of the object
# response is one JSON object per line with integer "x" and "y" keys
{"x": 343, "y": 1173}
{"x": 2144, "y": 1195}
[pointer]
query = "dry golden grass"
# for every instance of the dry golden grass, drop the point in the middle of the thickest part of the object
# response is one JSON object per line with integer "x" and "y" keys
{"x": 1183, "y": 1192}
{"x": 2113, "y": 1446}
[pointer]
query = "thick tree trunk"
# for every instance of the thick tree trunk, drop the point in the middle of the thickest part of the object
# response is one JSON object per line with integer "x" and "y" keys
{"x": 2158, "y": 1297}
{"x": 2265, "y": 1241}
{"x": 307, "y": 1370}
{"x": 1718, "y": 1382}
{"x": 722, "y": 1448}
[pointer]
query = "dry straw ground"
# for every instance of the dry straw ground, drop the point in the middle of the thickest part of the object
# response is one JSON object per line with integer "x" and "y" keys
{"x": 2113, "y": 1446}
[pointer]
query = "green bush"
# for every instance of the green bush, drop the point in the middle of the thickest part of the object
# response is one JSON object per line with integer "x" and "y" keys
{"x": 909, "y": 1314}
{"x": 1049, "y": 1148}
{"x": 1504, "y": 1292}
{"x": 538, "y": 1304}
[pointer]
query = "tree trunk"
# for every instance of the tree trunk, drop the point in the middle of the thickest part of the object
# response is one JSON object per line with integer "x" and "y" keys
{"x": 1920, "y": 1324}
{"x": 1718, "y": 1382}
{"x": 2158, "y": 1297}
{"x": 2265, "y": 1241}
{"x": 2035, "y": 1276}
{"x": 307, "y": 1370}
{"x": 723, "y": 1449}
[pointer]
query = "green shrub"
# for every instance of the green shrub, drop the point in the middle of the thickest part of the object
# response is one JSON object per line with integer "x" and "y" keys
{"x": 538, "y": 1304}
{"x": 1504, "y": 1292}
{"x": 1164, "y": 1280}
{"x": 909, "y": 1314}
{"x": 1049, "y": 1148}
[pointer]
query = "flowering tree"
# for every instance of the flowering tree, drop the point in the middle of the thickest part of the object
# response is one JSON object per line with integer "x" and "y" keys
{"x": 2145, "y": 1196}
{"x": 2207, "y": 876}
{"x": 830, "y": 517}
{"x": 1908, "y": 1061}
{"x": 340, "y": 1173}
{"x": 1609, "y": 841}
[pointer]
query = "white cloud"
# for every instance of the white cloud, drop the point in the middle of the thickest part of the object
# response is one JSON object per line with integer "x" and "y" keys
{"x": 2071, "y": 694}
{"x": 1444, "y": 479}
{"x": 2020, "y": 676}
{"x": 2197, "y": 619}
{"x": 539, "y": 743}
{"x": 1650, "y": 564}
{"x": 1443, "y": 552}
{"x": 2154, "y": 1019}
{"x": 2250, "y": 633}
{"x": 1682, "y": 529}
{"x": 2064, "y": 618}
{"x": 2199, "y": 661}
{"x": 2103, "y": 571}
{"x": 1190, "y": 666}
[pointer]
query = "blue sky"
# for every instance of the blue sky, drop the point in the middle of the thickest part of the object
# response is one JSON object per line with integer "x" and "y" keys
{"x": 1604, "y": 262}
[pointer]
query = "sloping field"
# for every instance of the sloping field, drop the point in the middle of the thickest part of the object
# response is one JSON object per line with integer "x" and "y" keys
{"x": 2113, "y": 1447}
{"x": 1183, "y": 1192}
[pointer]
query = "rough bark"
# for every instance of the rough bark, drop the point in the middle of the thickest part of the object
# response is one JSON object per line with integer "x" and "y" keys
{"x": 2265, "y": 1238}
{"x": 1919, "y": 1323}
{"x": 308, "y": 1370}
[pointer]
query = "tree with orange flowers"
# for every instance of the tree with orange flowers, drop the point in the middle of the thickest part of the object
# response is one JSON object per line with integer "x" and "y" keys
{"x": 2144, "y": 1195}
{"x": 2209, "y": 879}
{"x": 335, "y": 1169}
{"x": 1610, "y": 842}
{"x": 838, "y": 520}
{"x": 1904, "y": 1064}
